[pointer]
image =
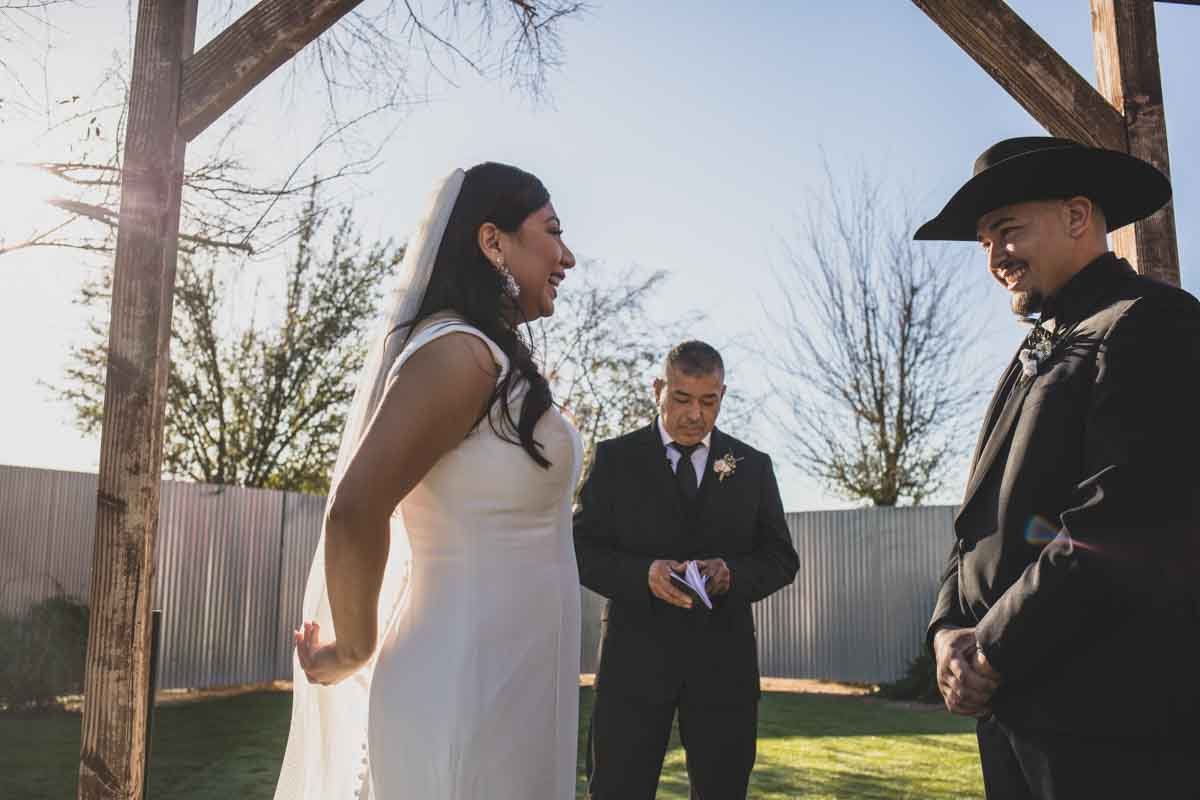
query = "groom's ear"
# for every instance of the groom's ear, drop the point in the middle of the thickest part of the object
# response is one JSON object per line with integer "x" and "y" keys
{"x": 659, "y": 385}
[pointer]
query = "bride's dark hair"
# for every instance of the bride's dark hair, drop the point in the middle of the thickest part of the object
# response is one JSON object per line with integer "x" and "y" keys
{"x": 466, "y": 282}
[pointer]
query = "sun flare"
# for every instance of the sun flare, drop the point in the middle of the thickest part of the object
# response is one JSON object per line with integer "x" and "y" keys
{"x": 25, "y": 192}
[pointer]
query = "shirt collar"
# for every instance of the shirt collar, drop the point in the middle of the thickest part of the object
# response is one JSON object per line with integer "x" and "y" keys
{"x": 666, "y": 437}
{"x": 1075, "y": 299}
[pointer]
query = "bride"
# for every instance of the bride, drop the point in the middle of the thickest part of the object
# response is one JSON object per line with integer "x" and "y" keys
{"x": 440, "y": 658}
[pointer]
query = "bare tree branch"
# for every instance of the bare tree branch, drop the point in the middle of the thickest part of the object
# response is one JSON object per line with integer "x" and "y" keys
{"x": 363, "y": 63}
{"x": 871, "y": 353}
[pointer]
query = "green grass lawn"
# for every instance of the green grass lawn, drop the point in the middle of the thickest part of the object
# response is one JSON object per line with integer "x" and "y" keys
{"x": 810, "y": 746}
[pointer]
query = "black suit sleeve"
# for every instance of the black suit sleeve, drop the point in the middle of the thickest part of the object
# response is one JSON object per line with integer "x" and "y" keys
{"x": 1128, "y": 544}
{"x": 947, "y": 612}
{"x": 773, "y": 562}
{"x": 603, "y": 566}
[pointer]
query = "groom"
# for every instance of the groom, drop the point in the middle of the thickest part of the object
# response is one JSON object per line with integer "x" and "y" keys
{"x": 656, "y": 498}
{"x": 1068, "y": 617}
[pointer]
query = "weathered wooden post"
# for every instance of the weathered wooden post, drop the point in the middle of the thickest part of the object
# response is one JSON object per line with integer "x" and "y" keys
{"x": 174, "y": 95}
{"x": 112, "y": 752}
{"x": 1125, "y": 41}
{"x": 1126, "y": 114}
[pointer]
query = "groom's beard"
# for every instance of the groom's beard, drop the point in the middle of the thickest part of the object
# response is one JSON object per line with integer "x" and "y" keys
{"x": 1026, "y": 303}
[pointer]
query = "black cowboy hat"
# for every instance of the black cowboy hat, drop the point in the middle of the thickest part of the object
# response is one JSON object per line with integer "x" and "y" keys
{"x": 1043, "y": 167}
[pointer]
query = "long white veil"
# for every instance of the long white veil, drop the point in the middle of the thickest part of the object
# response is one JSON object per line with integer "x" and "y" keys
{"x": 326, "y": 756}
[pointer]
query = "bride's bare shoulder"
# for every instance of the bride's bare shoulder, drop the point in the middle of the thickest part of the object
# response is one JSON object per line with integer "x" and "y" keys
{"x": 430, "y": 407}
{"x": 459, "y": 355}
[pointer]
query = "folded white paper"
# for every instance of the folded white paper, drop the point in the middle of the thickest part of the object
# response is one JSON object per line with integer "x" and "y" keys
{"x": 693, "y": 583}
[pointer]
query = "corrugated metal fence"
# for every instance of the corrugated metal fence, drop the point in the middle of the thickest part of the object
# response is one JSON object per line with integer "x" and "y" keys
{"x": 858, "y": 608}
{"x": 230, "y": 570}
{"x": 232, "y": 564}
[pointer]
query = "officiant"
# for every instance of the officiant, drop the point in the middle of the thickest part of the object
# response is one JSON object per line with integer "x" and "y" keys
{"x": 678, "y": 491}
{"x": 1067, "y": 619}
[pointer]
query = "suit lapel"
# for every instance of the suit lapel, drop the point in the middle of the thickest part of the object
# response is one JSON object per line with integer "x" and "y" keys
{"x": 1007, "y": 417}
{"x": 708, "y": 490}
{"x": 989, "y": 419}
{"x": 658, "y": 468}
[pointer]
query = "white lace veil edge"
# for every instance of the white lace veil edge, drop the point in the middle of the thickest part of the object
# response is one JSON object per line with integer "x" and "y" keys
{"x": 326, "y": 756}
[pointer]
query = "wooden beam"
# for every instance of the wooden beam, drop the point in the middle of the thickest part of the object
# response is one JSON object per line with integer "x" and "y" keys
{"x": 1126, "y": 49}
{"x": 112, "y": 752}
{"x": 1030, "y": 70}
{"x": 246, "y": 52}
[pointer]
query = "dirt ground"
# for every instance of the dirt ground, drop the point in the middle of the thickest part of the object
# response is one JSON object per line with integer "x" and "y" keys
{"x": 793, "y": 685}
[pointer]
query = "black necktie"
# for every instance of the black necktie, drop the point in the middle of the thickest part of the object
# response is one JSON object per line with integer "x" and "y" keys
{"x": 685, "y": 471}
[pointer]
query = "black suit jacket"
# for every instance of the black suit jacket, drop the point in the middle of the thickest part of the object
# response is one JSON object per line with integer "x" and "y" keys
{"x": 632, "y": 513}
{"x": 1076, "y": 552}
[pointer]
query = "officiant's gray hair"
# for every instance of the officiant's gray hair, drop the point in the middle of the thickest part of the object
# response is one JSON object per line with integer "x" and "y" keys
{"x": 694, "y": 358}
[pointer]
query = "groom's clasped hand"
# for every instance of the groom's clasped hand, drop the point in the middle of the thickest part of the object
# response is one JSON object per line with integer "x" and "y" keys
{"x": 966, "y": 679}
{"x": 662, "y": 587}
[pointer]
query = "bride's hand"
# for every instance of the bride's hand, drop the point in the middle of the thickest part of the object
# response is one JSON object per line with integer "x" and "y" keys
{"x": 322, "y": 663}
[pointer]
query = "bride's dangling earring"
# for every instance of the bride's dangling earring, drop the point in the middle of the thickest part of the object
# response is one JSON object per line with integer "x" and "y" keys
{"x": 511, "y": 287}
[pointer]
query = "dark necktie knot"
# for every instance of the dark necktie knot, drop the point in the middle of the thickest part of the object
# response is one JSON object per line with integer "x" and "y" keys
{"x": 686, "y": 450}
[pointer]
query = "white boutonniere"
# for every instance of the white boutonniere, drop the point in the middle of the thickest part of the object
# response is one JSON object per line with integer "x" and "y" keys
{"x": 725, "y": 466}
{"x": 1038, "y": 346}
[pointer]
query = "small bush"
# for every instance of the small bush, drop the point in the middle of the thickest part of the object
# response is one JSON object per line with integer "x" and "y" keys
{"x": 43, "y": 654}
{"x": 919, "y": 682}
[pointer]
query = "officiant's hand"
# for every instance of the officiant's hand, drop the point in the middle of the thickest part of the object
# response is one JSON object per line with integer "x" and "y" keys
{"x": 719, "y": 576}
{"x": 322, "y": 663}
{"x": 662, "y": 586}
{"x": 964, "y": 678}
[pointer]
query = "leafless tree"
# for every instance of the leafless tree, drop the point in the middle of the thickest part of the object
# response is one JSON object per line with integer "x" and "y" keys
{"x": 599, "y": 351}
{"x": 368, "y": 52}
{"x": 223, "y": 208}
{"x": 871, "y": 353}
{"x": 22, "y": 24}
{"x": 363, "y": 66}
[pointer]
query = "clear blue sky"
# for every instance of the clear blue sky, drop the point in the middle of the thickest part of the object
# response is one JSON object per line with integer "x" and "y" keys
{"x": 682, "y": 136}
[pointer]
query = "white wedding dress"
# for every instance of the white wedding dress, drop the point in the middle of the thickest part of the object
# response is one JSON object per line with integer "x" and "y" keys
{"x": 475, "y": 692}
